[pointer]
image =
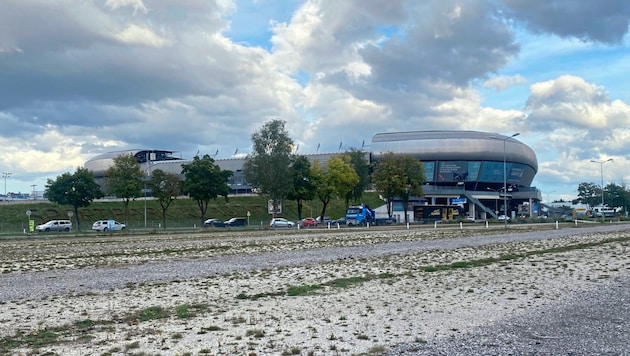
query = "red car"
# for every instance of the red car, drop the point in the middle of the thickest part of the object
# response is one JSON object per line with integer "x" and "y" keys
{"x": 308, "y": 222}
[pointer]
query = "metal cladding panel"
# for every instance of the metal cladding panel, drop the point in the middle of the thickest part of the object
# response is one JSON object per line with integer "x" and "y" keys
{"x": 454, "y": 145}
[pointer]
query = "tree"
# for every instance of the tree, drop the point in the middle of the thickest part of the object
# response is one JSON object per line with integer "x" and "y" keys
{"x": 124, "y": 180}
{"x": 268, "y": 167}
{"x": 336, "y": 180}
{"x": 617, "y": 196}
{"x": 165, "y": 187}
{"x": 362, "y": 168}
{"x": 303, "y": 187}
{"x": 398, "y": 176}
{"x": 77, "y": 190}
{"x": 204, "y": 180}
{"x": 589, "y": 193}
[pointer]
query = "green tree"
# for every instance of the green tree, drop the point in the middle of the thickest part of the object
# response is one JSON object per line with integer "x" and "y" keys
{"x": 336, "y": 180}
{"x": 360, "y": 164}
{"x": 616, "y": 196}
{"x": 165, "y": 187}
{"x": 124, "y": 180}
{"x": 399, "y": 176}
{"x": 77, "y": 190}
{"x": 589, "y": 193}
{"x": 268, "y": 167}
{"x": 205, "y": 181}
{"x": 303, "y": 187}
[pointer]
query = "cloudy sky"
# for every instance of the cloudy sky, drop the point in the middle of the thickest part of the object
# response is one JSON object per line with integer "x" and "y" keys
{"x": 83, "y": 77}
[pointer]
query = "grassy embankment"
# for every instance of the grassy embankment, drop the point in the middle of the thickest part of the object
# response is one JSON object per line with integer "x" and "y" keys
{"x": 183, "y": 212}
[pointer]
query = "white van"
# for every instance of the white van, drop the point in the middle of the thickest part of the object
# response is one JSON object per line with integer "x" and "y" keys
{"x": 55, "y": 225}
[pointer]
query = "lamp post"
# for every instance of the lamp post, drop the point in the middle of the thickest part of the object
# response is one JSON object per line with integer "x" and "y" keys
{"x": 601, "y": 171}
{"x": 6, "y": 175}
{"x": 147, "y": 172}
{"x": 147, "y": 176}
{"x": 505, "y": 207}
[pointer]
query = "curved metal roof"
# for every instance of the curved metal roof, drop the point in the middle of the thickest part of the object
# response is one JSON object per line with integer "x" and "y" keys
{"x": 454, "y": 145}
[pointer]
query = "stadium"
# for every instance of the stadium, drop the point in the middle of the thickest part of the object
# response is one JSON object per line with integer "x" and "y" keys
{"x": 472, "y": 174}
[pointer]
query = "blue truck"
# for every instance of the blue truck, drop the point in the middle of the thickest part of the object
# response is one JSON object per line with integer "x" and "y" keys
{"x": 360, "y": 215}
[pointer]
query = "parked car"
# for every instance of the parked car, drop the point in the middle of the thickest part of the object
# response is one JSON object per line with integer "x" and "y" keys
{"x": 214, "y": 223}
{"x": 503, "y": 217}
{"x": 236, "y": 222}
{"x": 55, "y": 225}
{"x": 340, "y": 221}
{"x": 281, "y": 222}
{"x": 308, "y": 222}
{"x": 324, "y": 221}
{"x": 108, "y": 225}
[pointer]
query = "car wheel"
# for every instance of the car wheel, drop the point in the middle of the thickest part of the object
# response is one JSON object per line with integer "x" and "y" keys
{"x": 67, "y": 229}
{"x": 105, "y": 229}
{"x": 47, "y": 230}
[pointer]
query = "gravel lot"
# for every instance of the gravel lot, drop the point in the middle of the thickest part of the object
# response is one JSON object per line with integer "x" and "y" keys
{"x": 573, "y": 301}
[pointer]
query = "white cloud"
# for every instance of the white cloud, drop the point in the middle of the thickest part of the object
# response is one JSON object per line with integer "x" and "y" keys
{"x": 135, "y": 34}
{"x": 503, "y": 82}
{"x": 137, "y": 5}
{"x": 570, "y": 100}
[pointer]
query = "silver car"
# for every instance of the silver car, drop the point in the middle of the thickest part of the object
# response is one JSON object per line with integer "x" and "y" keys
{"x": 281, "y": 222}
{"x": 55, "y": 225}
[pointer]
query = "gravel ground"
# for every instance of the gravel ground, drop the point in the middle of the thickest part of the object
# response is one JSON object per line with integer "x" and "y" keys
{"x": 573, "y": 302}
{"x": 589, "y": 322}
{"x": 17, "y": 286}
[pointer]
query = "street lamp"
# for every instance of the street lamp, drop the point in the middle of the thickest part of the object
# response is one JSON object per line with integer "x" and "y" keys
{"x": 147, "y": 176}
{"x": 6, "y": 175}
{"x": 505, "y": 207}
{"x": 601, "y": 170}
{"x": 147, "y": 171}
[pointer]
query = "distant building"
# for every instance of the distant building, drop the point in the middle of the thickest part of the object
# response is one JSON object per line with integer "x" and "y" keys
{"x": 462, "y": 168}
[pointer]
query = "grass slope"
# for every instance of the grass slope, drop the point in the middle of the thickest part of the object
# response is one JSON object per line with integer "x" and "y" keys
{"x": 183, "y": 212}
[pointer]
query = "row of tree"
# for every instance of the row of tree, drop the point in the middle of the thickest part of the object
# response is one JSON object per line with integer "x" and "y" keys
{"x": 275, "y": 171}
{"x": 614, "y": 195}
{"x": 272, "y": 170}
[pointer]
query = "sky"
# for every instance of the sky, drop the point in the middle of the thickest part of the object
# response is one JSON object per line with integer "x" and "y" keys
{"x": 83, "y": 77}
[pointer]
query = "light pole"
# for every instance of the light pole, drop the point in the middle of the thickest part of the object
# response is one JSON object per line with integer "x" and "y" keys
{"x": 6, "y": 175}
{"x": 147, "y": 172}
{"x": 147, "y": 176}
{"x": 505, "y": 207}
{"x": 601, "y": 170}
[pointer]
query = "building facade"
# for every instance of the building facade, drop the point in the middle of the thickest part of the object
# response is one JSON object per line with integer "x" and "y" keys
{"x": 483, "y": 175}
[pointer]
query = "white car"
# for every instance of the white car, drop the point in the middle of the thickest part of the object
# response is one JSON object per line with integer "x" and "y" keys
{"x": 108, "y": 225}
{"x": 503, "y": 217}
{"x": 281, "y": 222}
